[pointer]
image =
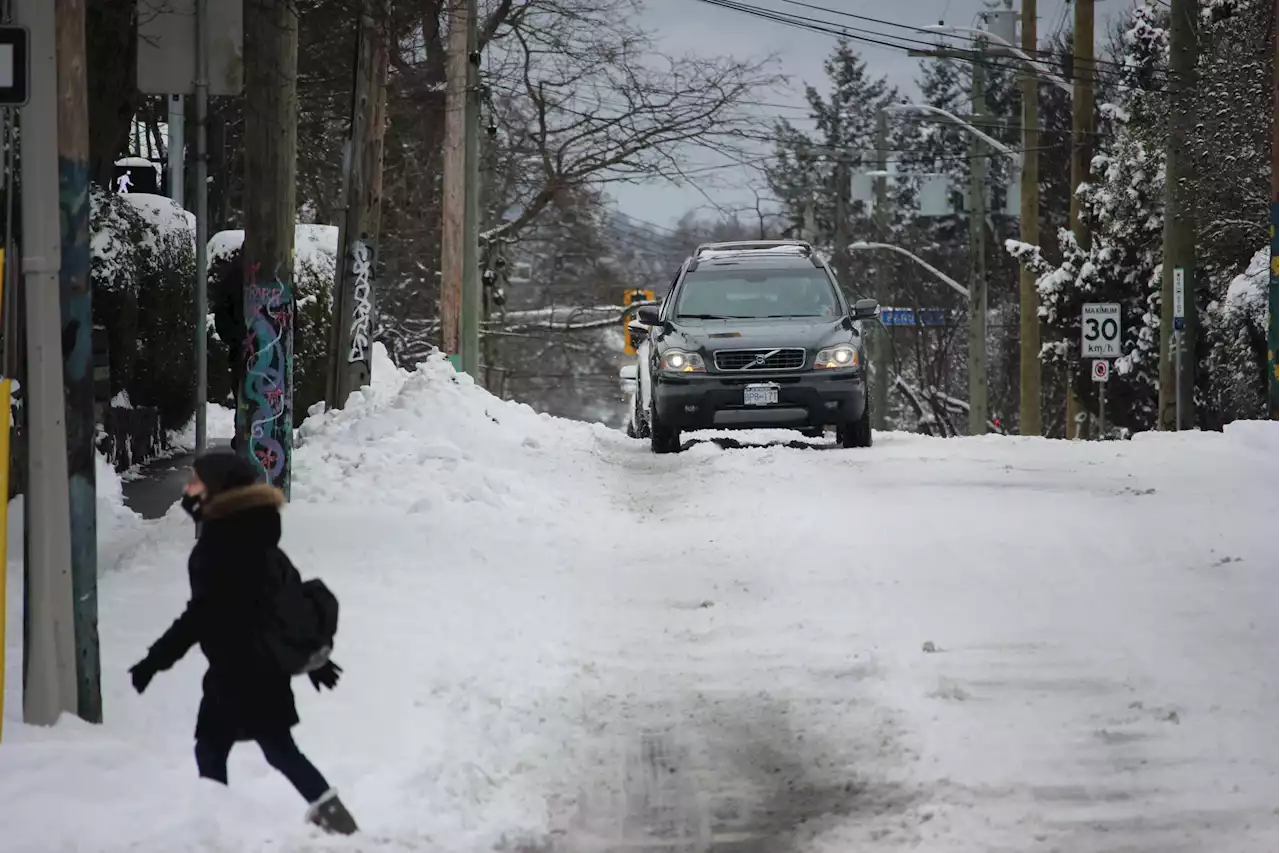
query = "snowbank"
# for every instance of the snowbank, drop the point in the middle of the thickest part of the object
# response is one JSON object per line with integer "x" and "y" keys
{"x": 219, "y": 422}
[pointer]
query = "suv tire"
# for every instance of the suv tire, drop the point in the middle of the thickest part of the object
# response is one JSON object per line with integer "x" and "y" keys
{"x": 662, "y": 439}
{"x": 856, "y": 433}
{"x": 640, "y": 424}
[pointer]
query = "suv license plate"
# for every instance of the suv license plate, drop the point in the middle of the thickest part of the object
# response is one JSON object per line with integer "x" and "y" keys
{"x": 760, "y": 395}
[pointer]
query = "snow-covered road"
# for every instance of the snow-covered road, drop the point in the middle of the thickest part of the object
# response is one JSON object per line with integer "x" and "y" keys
{"x": 556, "y": 642}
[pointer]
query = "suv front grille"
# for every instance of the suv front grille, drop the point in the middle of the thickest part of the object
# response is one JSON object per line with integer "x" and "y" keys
{"x": 747, "y": 359}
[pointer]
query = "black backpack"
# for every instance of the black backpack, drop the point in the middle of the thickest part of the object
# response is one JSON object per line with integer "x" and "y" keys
{"x": 300, "y": 623}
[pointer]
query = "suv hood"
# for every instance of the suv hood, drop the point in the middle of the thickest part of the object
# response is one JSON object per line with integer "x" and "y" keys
{"x": 812, "y": 333}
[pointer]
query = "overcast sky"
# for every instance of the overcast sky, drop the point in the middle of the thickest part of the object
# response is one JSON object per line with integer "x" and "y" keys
{"x": 692, "y": 27}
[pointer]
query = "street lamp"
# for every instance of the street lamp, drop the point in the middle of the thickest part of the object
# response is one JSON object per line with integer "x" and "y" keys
{"x": 952, "y": 117}
{"x": 939, "y": 274}
{"x": 986, "y": 35}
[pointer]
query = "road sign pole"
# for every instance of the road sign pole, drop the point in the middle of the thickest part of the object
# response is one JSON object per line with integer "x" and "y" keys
{"x": 1102, "y": 411}
{"x": 1179, "y": 322}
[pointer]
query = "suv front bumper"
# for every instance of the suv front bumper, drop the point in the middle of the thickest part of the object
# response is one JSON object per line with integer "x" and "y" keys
{"x": 810, "y": 399}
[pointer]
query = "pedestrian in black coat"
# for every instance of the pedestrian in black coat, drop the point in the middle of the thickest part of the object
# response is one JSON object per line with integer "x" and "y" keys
{"x": 234, "y": 568}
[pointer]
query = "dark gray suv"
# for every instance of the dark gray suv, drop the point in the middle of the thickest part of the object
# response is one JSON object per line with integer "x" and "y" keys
{"x": 756, "y": 335}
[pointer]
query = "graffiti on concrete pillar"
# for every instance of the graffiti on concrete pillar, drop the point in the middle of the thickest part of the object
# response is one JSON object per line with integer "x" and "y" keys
{"x": 362, "y": 304}
{"x": 268, "y": 383}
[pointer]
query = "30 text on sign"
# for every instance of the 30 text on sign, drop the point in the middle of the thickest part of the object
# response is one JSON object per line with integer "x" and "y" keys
{"x": 1100, "y": 330}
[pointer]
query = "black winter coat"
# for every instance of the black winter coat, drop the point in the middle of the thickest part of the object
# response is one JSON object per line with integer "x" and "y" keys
{"x": 234, "y": 568}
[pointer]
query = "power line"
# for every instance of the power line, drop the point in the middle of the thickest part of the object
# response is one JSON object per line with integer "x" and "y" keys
{"x": 903, "y": 43}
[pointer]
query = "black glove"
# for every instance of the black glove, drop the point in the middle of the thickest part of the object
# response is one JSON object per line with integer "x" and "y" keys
{"x": 142, "y": 673}
{"x": 326, "y": 676}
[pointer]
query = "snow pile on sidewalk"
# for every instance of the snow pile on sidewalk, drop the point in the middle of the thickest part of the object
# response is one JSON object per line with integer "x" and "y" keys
{"x": 219, "y": 423}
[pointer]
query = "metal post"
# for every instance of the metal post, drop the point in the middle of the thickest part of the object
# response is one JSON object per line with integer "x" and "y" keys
{"x": 177, "y": 140}
{"x": 1102, "y": 411}
{"x": 471, "y": 228}
{"x": 1177, "y": 378}
{"x": 49, "y": 672}
{"x": 202, "y": 221}
{"x": 880, "y": 344}
{"x": 977, "y": 254}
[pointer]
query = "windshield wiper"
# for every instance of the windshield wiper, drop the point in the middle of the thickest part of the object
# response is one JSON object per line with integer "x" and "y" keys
{"x": 788, "y": 316}
{"x": 705, "y": 317}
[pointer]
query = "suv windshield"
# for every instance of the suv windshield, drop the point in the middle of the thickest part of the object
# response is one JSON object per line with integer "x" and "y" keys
{"x": 746, "y": 294}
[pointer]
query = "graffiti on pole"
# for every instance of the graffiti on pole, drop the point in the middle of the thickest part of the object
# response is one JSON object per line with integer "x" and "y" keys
{"x": 268, "y": 383}
{"x": 361, "y": 272}
{"x": 1273, "y": 303}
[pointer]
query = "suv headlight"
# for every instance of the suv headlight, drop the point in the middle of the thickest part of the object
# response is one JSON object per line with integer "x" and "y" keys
{"x": 679, "y": 361}
{"x": 843, "y": 355}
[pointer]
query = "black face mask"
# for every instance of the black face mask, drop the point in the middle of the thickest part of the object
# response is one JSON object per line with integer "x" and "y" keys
{"x": 192, "y": 505}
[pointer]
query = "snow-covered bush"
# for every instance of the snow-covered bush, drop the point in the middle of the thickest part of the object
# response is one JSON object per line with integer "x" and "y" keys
{"x": 1236, "y": 334}
{"x": 142, "y": 264}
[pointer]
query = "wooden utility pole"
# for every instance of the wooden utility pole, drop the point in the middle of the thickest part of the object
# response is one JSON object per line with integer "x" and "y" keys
{"x": 880, "y": 350}
{"x": 1028, "y": 298}
{"x": 459, "y": 247}
{"x": 264, "y": 421}
{"x": 978, "y": 250}
{"x": 1179, "y": 221}
{"x": 77, "y": 347}
{"x": 351, "y": 337}
{"x": 1083, "y": 69}
{"x": 1273, "y": 289}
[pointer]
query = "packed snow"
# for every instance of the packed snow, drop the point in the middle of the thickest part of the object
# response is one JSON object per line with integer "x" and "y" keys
{"x": 555, "y": 641}
{"x": 219, "y": 424}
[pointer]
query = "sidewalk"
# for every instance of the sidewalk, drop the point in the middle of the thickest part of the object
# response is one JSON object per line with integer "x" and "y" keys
{"x": 160, "y": 484}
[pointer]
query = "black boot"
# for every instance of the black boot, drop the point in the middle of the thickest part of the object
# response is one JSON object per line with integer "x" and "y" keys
{"x": 331, "y": 815}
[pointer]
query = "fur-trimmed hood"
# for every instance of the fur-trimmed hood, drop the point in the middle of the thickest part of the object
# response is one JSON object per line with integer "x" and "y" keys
{"x": 241, "y": 499}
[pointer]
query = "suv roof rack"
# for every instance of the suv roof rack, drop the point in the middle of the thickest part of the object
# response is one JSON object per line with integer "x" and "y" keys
{"x": 802, "y": 246}
{"x": 742, "y": 247}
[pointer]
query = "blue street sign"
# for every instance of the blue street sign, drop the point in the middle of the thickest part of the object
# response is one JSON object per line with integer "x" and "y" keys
{"x": 908, "y": 317}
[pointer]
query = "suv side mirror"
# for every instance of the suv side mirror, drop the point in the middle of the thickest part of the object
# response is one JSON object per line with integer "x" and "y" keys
{"x": 648, "y": 314}
{"x": 865, "y": 309}
{"x": 628, "y": 373}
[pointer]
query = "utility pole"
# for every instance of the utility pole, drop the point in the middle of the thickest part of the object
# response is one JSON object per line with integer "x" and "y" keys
{"x": 471, "y": 308}
{"x": 264, "y": 422}
{"x": 201, "y": 86}
{"x": 1083, "y": 69}
{"x": 76, "y": 299}
{"x": 880, "y": 351}
{"x": 49, "y": 682}
{"x": 459, "y": 249}
{"x": 1028, "y": 298}
{"x": 350, "y": 355}
{"x": 978, "y": 250}
{"x": 840, "y": 240}
{"x": 1177, "y": 373}
{"x": 1273, "y": 288}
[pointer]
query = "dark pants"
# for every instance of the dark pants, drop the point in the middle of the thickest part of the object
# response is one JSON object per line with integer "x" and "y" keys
{"x": 281, "y": 753}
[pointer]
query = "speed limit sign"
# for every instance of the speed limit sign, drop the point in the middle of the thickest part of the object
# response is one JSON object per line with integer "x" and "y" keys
{"x": 1100, "y": 330}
